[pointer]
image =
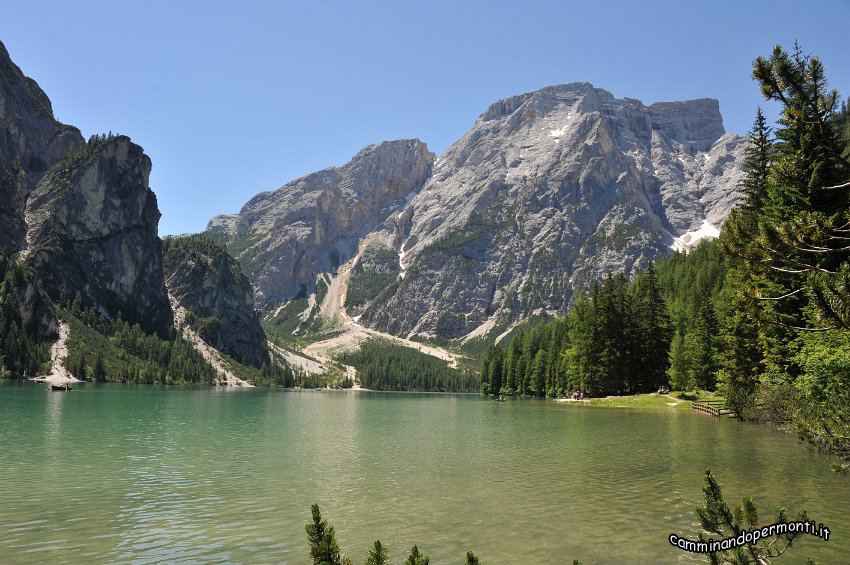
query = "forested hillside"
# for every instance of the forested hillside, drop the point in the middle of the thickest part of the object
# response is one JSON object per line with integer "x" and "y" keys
{"x": 24, "y": 350}
{"x": 383, "y": 365}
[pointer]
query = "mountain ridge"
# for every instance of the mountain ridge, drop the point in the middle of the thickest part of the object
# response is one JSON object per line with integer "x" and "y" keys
{"x": 546, "y": 192}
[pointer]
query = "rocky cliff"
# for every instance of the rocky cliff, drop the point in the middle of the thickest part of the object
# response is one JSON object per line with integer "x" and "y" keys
{"x": 547, "y": 192}
{"x": 31, "y": 140}
{"x": 286, "y": 237}
{"x": 207, "y": 282}
{"x": 85, "y": 221}
{"x": 92, "y": 228}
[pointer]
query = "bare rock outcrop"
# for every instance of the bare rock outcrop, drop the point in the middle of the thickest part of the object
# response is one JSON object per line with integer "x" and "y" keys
{"x": 31, "y": 140}
{"x": 92, "y": 227}
{"x": 284, "y": 238}
{"x": 549, "y": 191}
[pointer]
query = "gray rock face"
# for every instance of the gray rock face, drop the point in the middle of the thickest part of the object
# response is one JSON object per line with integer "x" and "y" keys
{"x": 31, "y": 140}
{"x": 549, "y": 191}
{"x": 285, "y": 237}
{"x": 92, "y": 227}
{"x": 207, "y": 281}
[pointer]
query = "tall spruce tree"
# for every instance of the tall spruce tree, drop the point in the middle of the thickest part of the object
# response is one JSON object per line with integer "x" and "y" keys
{"x": 655, "y": 331}
{"x": 757, "y": 158}
{"x": 680, "y": 364}
{"x": 495, "y": 369}
{"x": 703, "y": 347}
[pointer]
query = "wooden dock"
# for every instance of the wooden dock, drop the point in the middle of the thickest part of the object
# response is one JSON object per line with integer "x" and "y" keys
{"x": 713, "y": 408}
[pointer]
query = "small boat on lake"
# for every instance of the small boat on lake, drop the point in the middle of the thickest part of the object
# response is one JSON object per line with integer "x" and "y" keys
{"x": 65, "y": 387}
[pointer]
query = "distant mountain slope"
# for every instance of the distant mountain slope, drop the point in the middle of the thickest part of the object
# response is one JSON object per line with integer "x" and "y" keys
{"x": 284, "y": 238}
{"x": 547, "y": 192}
{"x": 207, "y": 282}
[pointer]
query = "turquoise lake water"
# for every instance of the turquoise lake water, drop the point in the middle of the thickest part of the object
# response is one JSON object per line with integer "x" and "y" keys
{"x": 142, "y": 474}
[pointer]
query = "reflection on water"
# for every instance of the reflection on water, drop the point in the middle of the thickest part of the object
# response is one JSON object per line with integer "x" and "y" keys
{"x": 146, "y": 474}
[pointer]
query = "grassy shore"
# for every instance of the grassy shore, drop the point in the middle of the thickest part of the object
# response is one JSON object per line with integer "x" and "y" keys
{"x": 674, "y": 401}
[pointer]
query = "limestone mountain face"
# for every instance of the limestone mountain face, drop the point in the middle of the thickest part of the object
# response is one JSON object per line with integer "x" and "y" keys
{"x": 92, "y": 228}
{"x": 547, "y": 192}
{"x": 206, "y": 281}
{"x": 284, "y": 238}
{"x": 31, "y": 140}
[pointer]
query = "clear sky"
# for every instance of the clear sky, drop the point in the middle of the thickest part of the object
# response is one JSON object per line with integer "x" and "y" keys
{"x": 231, "y": 98}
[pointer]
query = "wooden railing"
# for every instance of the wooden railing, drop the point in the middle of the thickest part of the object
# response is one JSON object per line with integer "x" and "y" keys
{"x": 712, "y": 407}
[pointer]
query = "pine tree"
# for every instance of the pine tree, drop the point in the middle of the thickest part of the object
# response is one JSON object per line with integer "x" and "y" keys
{"x": 801, "y": 238}
{"x": 471, "y": 559}
{"x": 512, "y": 363}
{"x": 717, "y": 518}
{"x": 82, "y": 369}
{"x": 485, "y": 371}
{"x": 538, "y": 372}
{"x": 496, "y": 371}
{"x": 756, "y": 164}
{"x": 416, "y": 558}
{"x": 703, "y": 348}
{"x": 99, "y": 373}
{"x": 324, "y": 549}
{"x": 680, "y": 365}
{"x": 656, "y": 332}
{"x": 378, "y": 556}
{"x": 741, "y": 357}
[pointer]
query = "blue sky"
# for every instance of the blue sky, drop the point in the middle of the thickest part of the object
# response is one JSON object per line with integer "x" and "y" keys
{"x": 231, "y": 98}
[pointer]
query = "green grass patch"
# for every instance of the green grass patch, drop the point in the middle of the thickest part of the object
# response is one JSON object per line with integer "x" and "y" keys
{"x": 674, "y": 401}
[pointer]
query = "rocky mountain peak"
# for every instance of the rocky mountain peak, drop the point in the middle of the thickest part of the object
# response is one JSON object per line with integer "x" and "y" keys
{"x": 284, "y": 238}
{"x": 547, "y": 192}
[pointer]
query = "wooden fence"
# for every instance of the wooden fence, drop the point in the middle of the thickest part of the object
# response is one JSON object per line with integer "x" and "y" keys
{"x": 713, "y": 407}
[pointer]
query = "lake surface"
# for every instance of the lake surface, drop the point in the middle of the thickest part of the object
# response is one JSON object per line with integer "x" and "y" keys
{"x": 186, "y": 475}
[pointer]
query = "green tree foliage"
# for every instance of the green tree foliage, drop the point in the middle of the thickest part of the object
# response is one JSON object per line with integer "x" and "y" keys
{"x": 378, "y": 555}
{"x": 680, "y": 365}
{"x": 717, "y": 518}
{"x": 788, "y": 250}
{"x": 324, "y": 549}
{"x": 384, "y": 365}
{"x": 757, "y": 162}
{"x": 22, "y": 353}
{"x": 823, "y": 411}
{"x": 615, "y": 340}
{"x": 704, "y": 347}
{"x": 115, "y": 351}
{"x": 654, "y": 331}
{"x": 417, "y": 558}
